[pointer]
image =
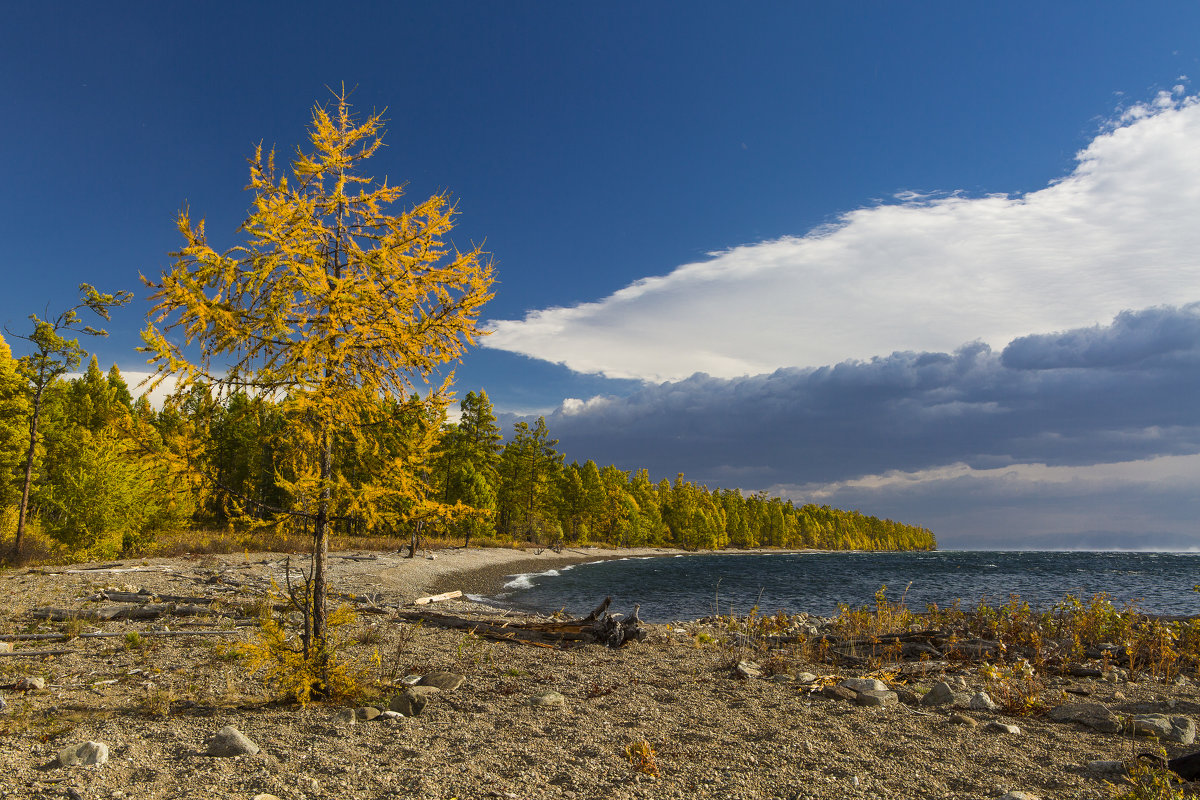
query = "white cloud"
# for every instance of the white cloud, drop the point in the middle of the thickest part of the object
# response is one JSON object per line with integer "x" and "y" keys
{"x": 924, "y": 274}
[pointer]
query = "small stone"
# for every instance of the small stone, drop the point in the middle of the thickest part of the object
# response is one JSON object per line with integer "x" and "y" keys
{"x": 6, "y": 647}
{"x": 877, "y": 699}
{"x": 1000, "y": 727}
{"x": 547, "y": 699}
{"x": 411, "y": 680}
{"x": 782, "y": 677}
{"x": 982, "y": 702}
{"x": 1107, "y": 767}
{"x": 963, "y": 719}
{"x": 748, "y": 669}
{"x": 940, "y": 695}
{"x": 446, "y": 681}
{"x": 346, "y": 716}
{"x": 85, "y": 754}
{"x": 864, "y": 685}
{"x": 264, "y": 797}
{"x": 805, "y": 677}
{"x": 229, "y": 742}
{"x": 413, "y": 700}
{"x": 3, "y": 703}
{"x": 1017, "y": 795}
{"x": 386, "y": 715}
{"x": 366, "y": 713}
{"x": 30, "y": 684}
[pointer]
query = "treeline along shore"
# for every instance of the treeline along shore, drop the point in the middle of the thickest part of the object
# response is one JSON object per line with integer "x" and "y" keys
{"x": 113, "y": 476}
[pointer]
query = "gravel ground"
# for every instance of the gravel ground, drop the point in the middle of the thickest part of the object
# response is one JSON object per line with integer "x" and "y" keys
{"x": 157, "y": 702}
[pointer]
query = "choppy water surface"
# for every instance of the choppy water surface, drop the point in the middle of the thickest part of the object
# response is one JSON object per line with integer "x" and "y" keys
{"x": 688, "y": 587}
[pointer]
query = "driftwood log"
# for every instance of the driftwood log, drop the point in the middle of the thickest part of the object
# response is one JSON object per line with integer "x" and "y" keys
{"x": 599, "y": 627}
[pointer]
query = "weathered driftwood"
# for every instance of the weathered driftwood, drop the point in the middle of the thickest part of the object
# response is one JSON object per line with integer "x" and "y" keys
{"x": 599, "y": 627}
{"x": 30, "y": 653}
{"x": 124, "y": 611}
{"x": 437, "y": 598}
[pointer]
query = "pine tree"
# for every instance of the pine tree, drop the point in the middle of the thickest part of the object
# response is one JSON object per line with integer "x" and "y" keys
{"x": 329, "y": 300}
{"x": 53, "y": 356}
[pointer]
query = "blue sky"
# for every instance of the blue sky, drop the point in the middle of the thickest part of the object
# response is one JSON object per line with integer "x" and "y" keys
{"x": 936, "y": 261}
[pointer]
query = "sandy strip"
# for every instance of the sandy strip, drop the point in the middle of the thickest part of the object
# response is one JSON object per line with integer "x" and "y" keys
{"x": 485, "y": 571}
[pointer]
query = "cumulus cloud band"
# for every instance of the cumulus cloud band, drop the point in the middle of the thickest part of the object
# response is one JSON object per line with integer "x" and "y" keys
{"x": 923, "y": 274}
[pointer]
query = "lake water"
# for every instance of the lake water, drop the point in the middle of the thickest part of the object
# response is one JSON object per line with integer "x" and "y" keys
{"x": 689, "y": 587}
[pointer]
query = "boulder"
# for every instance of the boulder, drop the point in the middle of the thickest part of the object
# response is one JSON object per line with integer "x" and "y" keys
{"x": 85, "y": 754}
{"x": 1094, "y": 715}
{"x": 864, "y": 685}
{"x": 446, "y": 681}
{"x": 877, "y": 699}
{"x": 839, "y": 693}
{"x": 346, "y": 716}
{"x": 230, "y": 742}
{"x": 748, "y": 669}
{"x": 940, "y": 695}
{"x": 413, "y": 700}
{"x": 1181, "y": 730}
{"x": 982, "y": 702}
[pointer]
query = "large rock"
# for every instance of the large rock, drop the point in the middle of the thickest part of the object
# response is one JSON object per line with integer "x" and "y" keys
{"x": 839, "y": 693}
{"x": 229, "y": 742}
{"x": 748, "y": 669}
{"x": 876, "y": 699}
{"x": 85, "y": 754}
{"x": 940, "y": 695}
{"x": 1172, "y": 729}
{"x": 982, "y": 702}
{"x": 864, "y": 685}
{"x": 1094, "y": 715}
{"x": 412, "y": 701}
{"x": 446, "y": 681}
{"x": 346, "y": 716}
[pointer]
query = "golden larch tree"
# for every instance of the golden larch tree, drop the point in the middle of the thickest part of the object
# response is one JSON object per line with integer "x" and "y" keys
{"x": 329, "y": 301}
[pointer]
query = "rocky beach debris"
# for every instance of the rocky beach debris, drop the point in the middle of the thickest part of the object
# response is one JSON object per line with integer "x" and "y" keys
{"x": 703, "y": 709}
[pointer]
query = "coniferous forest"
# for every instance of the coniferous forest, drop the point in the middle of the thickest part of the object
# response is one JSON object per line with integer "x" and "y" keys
{"x": 111, "y": 474}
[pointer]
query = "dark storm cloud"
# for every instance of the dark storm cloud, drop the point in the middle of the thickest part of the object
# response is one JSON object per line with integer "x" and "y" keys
{"x": 1120, "y": 392}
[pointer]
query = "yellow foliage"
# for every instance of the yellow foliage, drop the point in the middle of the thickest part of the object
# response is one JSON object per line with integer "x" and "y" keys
{"x": 333, "y": 305}
{"x": 321, "y": 675}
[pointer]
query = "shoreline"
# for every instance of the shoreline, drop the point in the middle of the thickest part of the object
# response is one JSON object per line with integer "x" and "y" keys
{"x": 489, "y": 579}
